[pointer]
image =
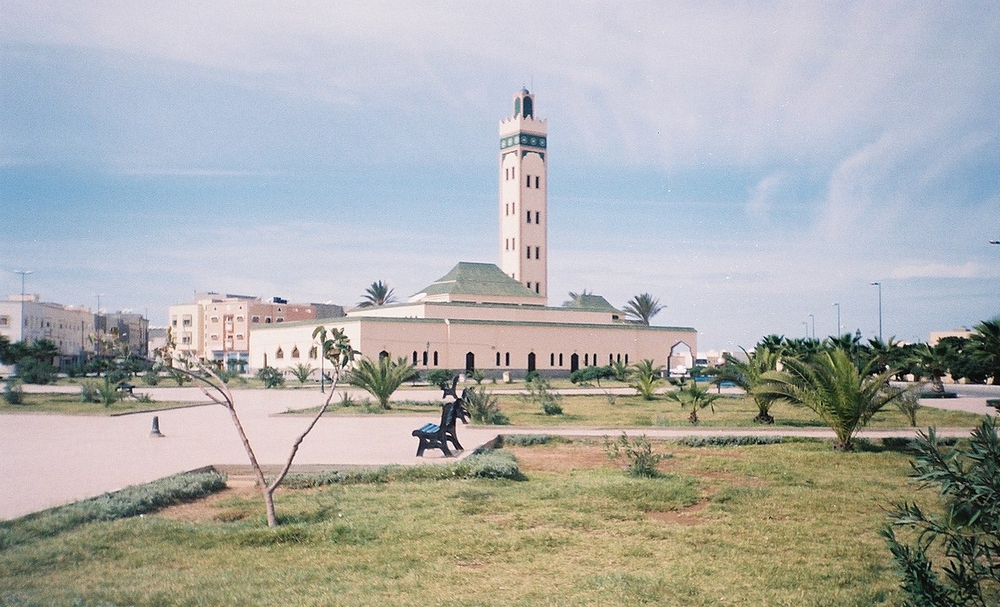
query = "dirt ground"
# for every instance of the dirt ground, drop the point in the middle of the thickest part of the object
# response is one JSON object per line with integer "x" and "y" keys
{"x": 563, "y": 457}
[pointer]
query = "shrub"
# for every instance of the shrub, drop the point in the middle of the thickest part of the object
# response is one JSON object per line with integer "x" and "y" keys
{"x": 589, "y": 374}
{"x": 36, "y": 371}
{"x": 489, "y": 464}
{"x": 527, "y": 440}
{"x": 483, "y": 407}
{"x": 440, "y": 377}
{"x": 639, "y": 453}
{"x": 908, "y": 404}
{"x": 108, "y": 392}
{"x": 151, "y": 378}
{"x": 539, "y": 394}
{"x": 13, "y": 392}
{"x": 531, "y": 376}
{"x": 728, "y": 441}
{"x": 89, "y": 393}
{"x": 271, "y": 377}
{"x": 966, "y": 534}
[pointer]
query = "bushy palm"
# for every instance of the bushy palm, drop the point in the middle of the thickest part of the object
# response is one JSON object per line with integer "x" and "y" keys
{"x": 302, "y": 371}
{"x": 986, "y": 343}
{"x": 646, "y": 378}
{"x": 380, "y": 378}
{"x": 746, "y": 375}
{"x": 694, "y": 396}
{"x": 377, "y": 294}
{"x": 933, "y": 362}
{"x": 844, "y": 397}
{"x": 642, "y": 308}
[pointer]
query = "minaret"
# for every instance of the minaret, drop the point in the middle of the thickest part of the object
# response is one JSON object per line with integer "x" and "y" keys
{"x": 523, "y": 200}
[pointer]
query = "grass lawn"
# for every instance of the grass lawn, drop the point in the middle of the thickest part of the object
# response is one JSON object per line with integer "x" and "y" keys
{"x": 789, "y": 524}
{"x": 72, "y": 404}
{"x": 730, "y": 411}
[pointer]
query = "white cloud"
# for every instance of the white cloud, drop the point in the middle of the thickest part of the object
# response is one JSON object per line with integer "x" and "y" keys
{"x": 939, "y": 270}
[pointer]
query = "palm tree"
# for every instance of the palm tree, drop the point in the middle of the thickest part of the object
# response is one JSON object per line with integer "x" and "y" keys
{"x": 843, "y": 396}
{"x": 646, "y": 378}
{"x": 642, "y": 308}
{"x": 694, "y": 395}
{"x": 377, "y": 294}
{"x": 746, "y": 375}
{"x": 380, "y": 378}
{"x": 933, "y": 361}
{"x": 986, "y": 341}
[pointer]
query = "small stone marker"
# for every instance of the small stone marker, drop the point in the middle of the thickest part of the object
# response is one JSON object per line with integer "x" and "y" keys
{"x": 155, "y": 432}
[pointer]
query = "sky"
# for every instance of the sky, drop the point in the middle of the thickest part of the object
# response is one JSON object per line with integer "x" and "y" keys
{"x": 748, "y": 164}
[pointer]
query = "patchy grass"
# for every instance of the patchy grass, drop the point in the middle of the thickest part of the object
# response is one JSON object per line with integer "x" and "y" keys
{"x": 66, "y": 403}
{"x": 789, "y": 524}
{"x": 730, "y": 411}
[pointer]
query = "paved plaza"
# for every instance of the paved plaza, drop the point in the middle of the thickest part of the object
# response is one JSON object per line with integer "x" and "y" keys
{"x": 48, "y": 460}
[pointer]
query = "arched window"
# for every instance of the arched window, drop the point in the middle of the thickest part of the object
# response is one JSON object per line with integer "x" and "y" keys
{"x": 425, "y": 358}
{"x": 498, "y": 359}
{"x": 280, "y": 353}
{"x": 552, "y": 359}
{"x": 531, "y": 362}
{"x": 313, "y": 352}
{"x": 574, "y": 362}
{"x": 470, "y": 361}
{"x": 506, "y": 359}
{"x": 435, "y": 358}
{"x": 383, "y": 354}
{"x": 295, "y": 352}
{"x": 586, "y": 360}
{"x": 560, "y": 359}
{"x": 414, "y": 358}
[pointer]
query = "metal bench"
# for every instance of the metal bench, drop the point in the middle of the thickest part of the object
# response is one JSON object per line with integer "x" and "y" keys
{"x": 437, "y": 436}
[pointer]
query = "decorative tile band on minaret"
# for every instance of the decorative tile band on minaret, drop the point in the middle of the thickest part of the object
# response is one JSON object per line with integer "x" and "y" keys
{"x": 523, "y": 207}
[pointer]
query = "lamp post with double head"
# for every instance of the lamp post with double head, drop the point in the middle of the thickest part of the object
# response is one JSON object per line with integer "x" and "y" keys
{"x": 837, "y": 305}
{"x": 23, "y": 273}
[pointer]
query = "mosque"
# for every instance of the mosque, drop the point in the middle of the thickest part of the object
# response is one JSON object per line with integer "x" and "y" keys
{"x": 495, "y": 319}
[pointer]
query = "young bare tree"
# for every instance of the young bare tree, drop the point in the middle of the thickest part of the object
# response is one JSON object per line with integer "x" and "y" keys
{"x": 336, "y": 350}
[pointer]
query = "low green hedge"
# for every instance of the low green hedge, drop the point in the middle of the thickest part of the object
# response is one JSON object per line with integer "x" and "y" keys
{"x": 130, "y": 501}
{"x": 495, "y": 464}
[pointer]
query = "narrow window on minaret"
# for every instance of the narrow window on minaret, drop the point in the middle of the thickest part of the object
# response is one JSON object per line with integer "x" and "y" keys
{"x": 528, "y": 181}
{"x": 536, "y": 217}
{"x": 529, "y": 252}
{"x": 529, "y": 216}
{"x": 536, "y": 183}
{"x": 537, "y": 254}
{"x": 536, "y": 287}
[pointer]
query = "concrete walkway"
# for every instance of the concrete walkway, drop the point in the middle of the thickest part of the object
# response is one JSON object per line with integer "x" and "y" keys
{"x": 48, "y": 460}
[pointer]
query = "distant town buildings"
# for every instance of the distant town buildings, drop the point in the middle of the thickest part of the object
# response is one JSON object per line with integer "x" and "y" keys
{"x": 76, "y": 331}
{"x": 218, "y": 327}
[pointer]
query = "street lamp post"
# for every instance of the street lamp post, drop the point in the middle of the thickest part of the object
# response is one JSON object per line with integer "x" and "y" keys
{"x": 838, "y": 318}
{"x": 23, "y": 273}
{"x": 813, "y": 320}
{"x": 879, "y": 285}
{"x": 806, "y": 325}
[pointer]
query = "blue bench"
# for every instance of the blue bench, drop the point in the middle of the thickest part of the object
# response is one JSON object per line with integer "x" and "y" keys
{"x": 437, "y": 436}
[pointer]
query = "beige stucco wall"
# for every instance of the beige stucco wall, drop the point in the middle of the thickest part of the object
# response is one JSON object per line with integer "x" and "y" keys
{"x": 454, "y": 339}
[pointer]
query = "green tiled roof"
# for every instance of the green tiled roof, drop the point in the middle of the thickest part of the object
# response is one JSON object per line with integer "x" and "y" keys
{"x": 594, "y": 303}
{"x": 484, "y": 279}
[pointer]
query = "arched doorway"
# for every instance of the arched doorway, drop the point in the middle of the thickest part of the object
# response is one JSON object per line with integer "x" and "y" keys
{"x": 531, "y": 362}
{"x": 680, "y": 358}
{"x": 383, "y": 354}
{"x": 470, "y": 361}
{"x": 574, "y": 362}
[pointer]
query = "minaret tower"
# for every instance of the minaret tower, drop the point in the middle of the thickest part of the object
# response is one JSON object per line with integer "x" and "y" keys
{"x": 523, "y": 200}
